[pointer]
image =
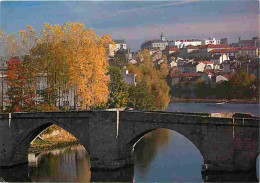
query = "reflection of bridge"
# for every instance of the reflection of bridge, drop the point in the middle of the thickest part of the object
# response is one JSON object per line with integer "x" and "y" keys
{"x": 226, "y": 144}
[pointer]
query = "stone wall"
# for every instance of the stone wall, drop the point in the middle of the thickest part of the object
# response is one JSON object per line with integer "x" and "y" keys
{"x": 226, "y": 144}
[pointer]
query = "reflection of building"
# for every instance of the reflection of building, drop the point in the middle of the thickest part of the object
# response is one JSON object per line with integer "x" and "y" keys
{"x": 70, "y": 164}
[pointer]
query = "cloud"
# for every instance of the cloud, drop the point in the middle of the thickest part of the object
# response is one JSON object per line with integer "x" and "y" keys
{"x": 152, "y": 7}
{"x": 231, "y": 26}
{"x": 225, "y": 25}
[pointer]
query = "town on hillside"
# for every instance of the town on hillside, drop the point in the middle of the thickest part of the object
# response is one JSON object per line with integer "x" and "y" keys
{"x": 195, "y": 68}
{"x": 210, "y": 60}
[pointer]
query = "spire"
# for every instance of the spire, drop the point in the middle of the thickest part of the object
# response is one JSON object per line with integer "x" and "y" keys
{"x": 163, "y": 37}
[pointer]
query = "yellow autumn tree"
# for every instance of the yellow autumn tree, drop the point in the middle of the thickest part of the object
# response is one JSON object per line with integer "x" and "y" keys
{"x": 74, "y": 58}
{"x": 152, "y": 90}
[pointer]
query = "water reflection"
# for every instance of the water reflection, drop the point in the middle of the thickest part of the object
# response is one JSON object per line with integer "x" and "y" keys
{"x": 167, "y": 156}
{"x": 122, "y": 175}
{"x": 162, "y": 155}
{"x": 70, "y": 164}
{"x": 147, "y": 149}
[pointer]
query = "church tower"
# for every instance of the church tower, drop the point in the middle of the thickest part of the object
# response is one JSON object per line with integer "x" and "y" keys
{"x": 163, "y": 37}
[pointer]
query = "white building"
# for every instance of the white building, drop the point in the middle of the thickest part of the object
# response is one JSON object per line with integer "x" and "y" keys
{"x": 157, "y": 44}
{"x": 210, "y": 41}
{"x": 129, "y": 78}
{"x": 185, "y": 42}
{"x": 65, "y": 99}
{"x": 113, "y": 48}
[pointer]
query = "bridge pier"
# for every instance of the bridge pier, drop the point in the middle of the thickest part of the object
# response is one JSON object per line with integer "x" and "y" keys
{"x": 111, "y": 158}
{"x": 111, "y": 163}
{"x": 226, "y": 144}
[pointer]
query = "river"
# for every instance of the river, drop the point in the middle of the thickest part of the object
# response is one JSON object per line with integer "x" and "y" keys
{"x": 163, "y": 155}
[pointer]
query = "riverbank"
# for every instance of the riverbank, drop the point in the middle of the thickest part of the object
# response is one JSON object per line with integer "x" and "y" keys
{"x": 234, "y": 101}
{"x": 40, "y": 145}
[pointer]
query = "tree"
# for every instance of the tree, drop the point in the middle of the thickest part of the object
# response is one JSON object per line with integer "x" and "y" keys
{"x": 21, "y": 96}
{"x": 118, "y": 89}
{"x": 151, "y": 84}
{"x": 73, "y": 58}
{"x": 241, "y": 84}
{"x": 201, "y": 88}
{"x": 222, "y": 90}
{"x": 119, "y": 60}
{"x": 140, "y": 97}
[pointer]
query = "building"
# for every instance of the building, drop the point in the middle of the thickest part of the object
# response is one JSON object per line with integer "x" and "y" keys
{"x": 252, "y": 66}
{"x": 171, "y": 50}
{"x": 251, "y": 42}
{"x": 219, "y": 58}
{"x": 129, "y": 78}
{"x": 3, "y": 85}
{"x": 191, "y": 67}
{"x": 250, "y": 51}
{"x": 185, "y": 42}
{"x": 113, "y": 48}
{"x": 157, "y": 44}
{"x": 205, "y": 50}
{"x": 224, "y": 41}
{"x": 210, "y": 41}
{"x": 174, "y": 79}
{"x": 65, "y": 99}
{"x": 189, "y": 51}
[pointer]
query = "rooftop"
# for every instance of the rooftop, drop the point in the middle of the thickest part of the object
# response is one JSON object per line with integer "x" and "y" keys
{"x": 119, "y": 41}
{"x": 224, "y": 50}
{"x": 186, "y": 75}
{"x": 188, "y": 40}
{"x": 248, "y": 48}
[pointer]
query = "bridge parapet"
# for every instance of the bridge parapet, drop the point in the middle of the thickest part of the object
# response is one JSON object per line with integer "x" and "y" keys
{"x": 109, "y": 136}
{"x": 184, "y": 118}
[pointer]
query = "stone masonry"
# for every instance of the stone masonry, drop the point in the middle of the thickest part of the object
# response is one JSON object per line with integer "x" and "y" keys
{"x": 226, "y": 144}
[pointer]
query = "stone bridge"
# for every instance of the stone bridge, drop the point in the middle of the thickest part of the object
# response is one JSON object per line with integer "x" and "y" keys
{"x": 226, "y": 144}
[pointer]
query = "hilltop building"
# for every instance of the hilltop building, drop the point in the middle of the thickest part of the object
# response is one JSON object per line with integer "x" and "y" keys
{"x": 210, "y": 41}
{"x": 253, "y": 42}
{"x": 129, "y": 78}
{"x": 185, "y": 42}
{"x": 113, "y": 48}
{"x": 156, "y": 44}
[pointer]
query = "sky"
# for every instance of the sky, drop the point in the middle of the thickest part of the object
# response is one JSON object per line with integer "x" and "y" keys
{"x": 138, "y": 21}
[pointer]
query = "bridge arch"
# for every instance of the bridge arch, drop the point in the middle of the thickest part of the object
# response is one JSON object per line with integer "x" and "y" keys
{"x": 139, "y": 134}
{"x": 34, "y": 128}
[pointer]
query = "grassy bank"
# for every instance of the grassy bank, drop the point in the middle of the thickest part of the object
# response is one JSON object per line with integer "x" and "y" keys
{"x": 42, "y": 145}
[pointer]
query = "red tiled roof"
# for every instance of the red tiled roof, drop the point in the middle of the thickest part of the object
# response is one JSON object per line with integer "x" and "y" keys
{"x": 218, "y": 46}
{"x": 192, "y": 47}
{"x": 248, "y": 48}
{"x": 174, "y": 48}
{"x": 186, "y": 75}
{"x": 207, "y": 62}
{"x": 224, "y": 50}
{"x": 194, "y": 51}
{"x": 203, "y": 46}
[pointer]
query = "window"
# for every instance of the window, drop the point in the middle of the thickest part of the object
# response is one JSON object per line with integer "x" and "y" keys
{"x": 66, "y": 103}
